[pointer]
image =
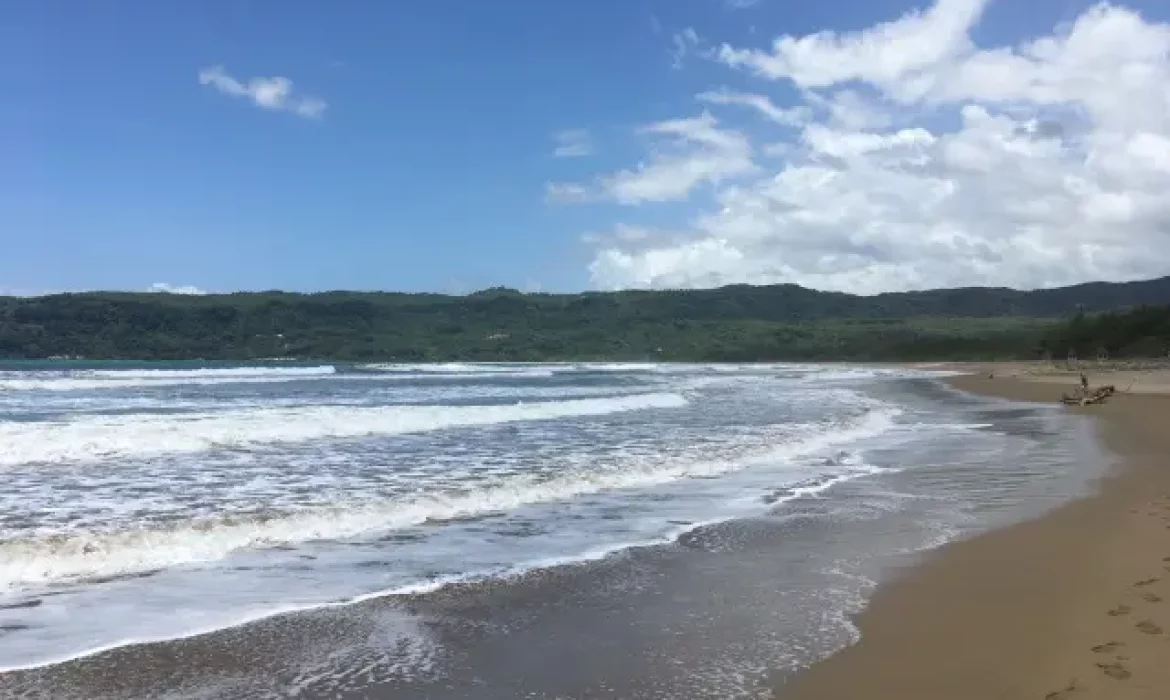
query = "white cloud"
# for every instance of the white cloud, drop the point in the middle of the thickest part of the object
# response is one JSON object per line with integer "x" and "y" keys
{"x": 269, "y": 93}
{"x": 925, "y": 161}
{"x": 882, "y": 54}
{"x": 850, "y": 109}
{"x": 621, "y": 233}
{"x": 683, "y": 44}
{"x": 566, "y": 192}
{"x": 25, "y": 293}
{"x": 572, "y": 143}
{"x": 164, "y": 288}
{"x": 793, "y": 116}
{"x": 686, "y": 153}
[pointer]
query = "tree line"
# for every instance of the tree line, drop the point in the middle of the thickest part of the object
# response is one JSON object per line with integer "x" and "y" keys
{"x": 736, "y": 323}
{"x": 1139, "y": 332}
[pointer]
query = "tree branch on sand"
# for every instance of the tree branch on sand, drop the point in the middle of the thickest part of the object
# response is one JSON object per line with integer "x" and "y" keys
{"x": 1086, "y": 395}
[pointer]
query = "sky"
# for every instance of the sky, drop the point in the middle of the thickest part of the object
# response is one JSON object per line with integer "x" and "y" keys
{"x": 454, "y": 145}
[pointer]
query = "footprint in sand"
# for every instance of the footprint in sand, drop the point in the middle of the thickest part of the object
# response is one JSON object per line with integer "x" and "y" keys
{"x": 1062, "y": 694}
{"x": 1115, "y": 670}
{"x": 1147, "y": 582}
{"x": 1148, "y": 627}
{"x": 1120, "y": 610}
{"x": 1151, "y": 598}
{"x": 1107, "y": 647}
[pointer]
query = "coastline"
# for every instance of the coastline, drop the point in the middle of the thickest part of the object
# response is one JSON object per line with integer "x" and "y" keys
{"x": 1075, "y": 604}
{"x": 710, "y": 598}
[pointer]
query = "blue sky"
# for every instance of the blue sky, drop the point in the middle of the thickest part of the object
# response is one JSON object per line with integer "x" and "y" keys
{"x": 416, "y": 145}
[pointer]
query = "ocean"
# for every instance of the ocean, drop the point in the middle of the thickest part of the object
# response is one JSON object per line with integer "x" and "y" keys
{"x": 186, "y": 530}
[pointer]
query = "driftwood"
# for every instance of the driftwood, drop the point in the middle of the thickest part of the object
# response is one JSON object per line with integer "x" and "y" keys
{"x": 1087, "y": 397}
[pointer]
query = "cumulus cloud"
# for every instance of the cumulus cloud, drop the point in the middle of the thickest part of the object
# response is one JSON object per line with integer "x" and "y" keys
{"x": 920, "y": 160}
{"x": 792, "y": 116}
{"x": 164, "y": 288}
{"x": 851, "y": 109}
{"x": 269, "y": 93}
{"x": 688, "y": 152}
{"x": 572, "y": 143}
{"x": 884, "y": 54}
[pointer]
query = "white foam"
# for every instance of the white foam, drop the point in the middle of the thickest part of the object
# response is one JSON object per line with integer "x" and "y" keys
{"x": 621, "y": 366}
{"x": 818, "y": 487}
{"x": 457, "y": 376}
{"x": 88, "y": 380}
{"x": 76, "y": 384}
{"x": 209, "y": 372}
{"x": 459, "y": 371}
{"x": 449, "y": 368}
{"x": 101, "y": 437}
{"x": 213, "y": 623}
{"x": 36, "y": 561}
{"x": 829, "y": 373}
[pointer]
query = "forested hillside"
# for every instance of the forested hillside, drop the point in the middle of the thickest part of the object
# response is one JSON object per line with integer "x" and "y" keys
{"x": 731, "y": 323}
{"x": 1139, "y": 332}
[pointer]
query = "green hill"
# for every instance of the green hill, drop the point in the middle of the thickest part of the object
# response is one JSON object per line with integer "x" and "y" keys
{"x": 738, "y": 322}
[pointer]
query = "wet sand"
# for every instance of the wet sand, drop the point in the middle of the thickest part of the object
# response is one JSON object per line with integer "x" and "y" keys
{"x": 1072, "y": 606}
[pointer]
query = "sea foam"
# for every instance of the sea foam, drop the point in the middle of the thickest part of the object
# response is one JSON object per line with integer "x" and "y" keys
{"x": 89, "y": 380}
{"x": 65, "y": 557}
{"x": 102, "y": 437}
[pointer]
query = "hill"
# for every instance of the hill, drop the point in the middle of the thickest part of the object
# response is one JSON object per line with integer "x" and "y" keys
{"x": 738, "y": 322}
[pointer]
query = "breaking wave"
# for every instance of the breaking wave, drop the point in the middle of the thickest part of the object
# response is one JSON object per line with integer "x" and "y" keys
{"x": 100, "y": 437}
{"x": 88, "y": 380}
{"x": 66, "y": 557}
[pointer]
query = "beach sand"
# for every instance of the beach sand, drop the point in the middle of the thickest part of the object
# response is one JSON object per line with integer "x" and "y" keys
{"x": 1074, "y": 605}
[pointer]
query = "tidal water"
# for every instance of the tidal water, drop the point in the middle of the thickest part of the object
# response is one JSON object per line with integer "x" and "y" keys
{"x": 481, "y": 530}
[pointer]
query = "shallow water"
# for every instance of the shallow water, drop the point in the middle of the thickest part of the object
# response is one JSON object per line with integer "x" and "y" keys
{"x": 483, "y": 530}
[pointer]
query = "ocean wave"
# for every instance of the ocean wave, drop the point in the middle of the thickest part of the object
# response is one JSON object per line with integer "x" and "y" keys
{"x": 822, "y": 373}
{"x": 88, "y": 380}
{"x": 74, "y": 556}
{"x": 621, "y": 366}
{"x": 100, "y": 437}
{"x": 453, "y": 376}
{"x": 207, "y": 372}
{"x": 447, "y": 368}
{"x": 457, "y": 371}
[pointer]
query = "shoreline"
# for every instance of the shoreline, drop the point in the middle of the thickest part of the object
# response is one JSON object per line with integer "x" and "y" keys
{"x": 1074, "y": 604}
{"x": 287, "y": 646}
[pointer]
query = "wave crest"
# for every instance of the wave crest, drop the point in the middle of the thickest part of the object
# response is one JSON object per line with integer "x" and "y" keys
{"x": 99, "y": 437}
{"x": 89, "y": 555}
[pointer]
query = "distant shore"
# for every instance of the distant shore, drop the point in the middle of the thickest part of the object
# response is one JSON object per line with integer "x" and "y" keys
{"x": 1073, "y": 605}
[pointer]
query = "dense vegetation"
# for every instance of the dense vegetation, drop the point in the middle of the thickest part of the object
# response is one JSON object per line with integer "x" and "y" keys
{"x": 731, "y": 323}
{"x": 1140, "y": 332}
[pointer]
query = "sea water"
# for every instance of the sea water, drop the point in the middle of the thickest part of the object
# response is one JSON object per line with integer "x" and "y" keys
{"x": 152, "y": 502}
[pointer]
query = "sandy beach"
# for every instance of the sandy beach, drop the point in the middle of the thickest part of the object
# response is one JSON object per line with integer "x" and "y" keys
{"x": 1073, "y": 605}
